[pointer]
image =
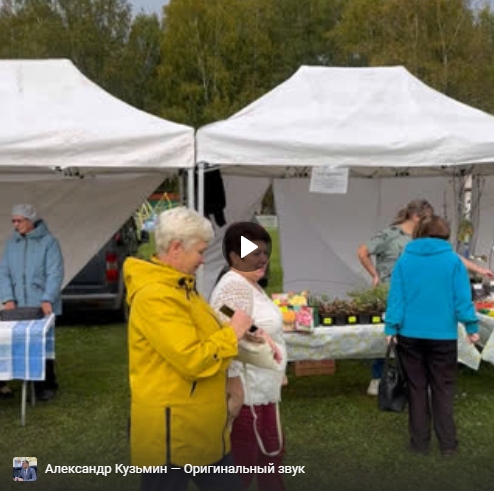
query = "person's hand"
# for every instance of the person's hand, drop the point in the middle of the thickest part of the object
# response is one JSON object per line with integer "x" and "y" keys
{"x": 46, "y": 308}
{"x": 254, "y": 337}
{"x": 274, "y": 347}
{"x": 487, "y": 273}
{"x": 284, "y": 382}
{"x": 20, "y": 479}
{"x": 241, "y": 323}
{"x": 473, "y": 338}
{"x": 390, "y": 339}
{"x": 9, "y": 305}
{"x": 375, "y": 280}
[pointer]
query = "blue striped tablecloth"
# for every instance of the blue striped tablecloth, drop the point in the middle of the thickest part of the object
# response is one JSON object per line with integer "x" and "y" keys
{"x": 24, "y": 348}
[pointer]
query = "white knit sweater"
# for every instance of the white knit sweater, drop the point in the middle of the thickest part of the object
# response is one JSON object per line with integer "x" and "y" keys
{"x": 261, "y": 386}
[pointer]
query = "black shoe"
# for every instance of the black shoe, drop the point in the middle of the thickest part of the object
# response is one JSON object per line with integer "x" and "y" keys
{"x": 46, "y": 395}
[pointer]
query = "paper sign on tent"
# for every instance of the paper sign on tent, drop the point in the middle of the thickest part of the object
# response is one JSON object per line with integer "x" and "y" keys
{"x": 246, "y": 246}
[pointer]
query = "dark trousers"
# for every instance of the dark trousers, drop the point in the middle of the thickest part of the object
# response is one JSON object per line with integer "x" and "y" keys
{"x": 430, "y": 364}
{"x": 50, "y": 382}
{"x": 377, "y": 368}
{"x": 178, "y": 480}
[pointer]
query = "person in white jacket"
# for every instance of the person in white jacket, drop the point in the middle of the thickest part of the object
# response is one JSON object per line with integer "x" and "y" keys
{"x": 254, "y": 392}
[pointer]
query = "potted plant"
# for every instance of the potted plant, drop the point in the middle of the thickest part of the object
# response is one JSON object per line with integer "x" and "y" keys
{"x": 327, "y": 312}
{"x": 342, "y": 310}
{"x": 379, "y": 304}
{"x": 370, "y": 303}
{"x": 352, "y": 313}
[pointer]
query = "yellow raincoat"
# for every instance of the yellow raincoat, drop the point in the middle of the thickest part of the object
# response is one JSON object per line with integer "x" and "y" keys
{"x": 178, "y": 356}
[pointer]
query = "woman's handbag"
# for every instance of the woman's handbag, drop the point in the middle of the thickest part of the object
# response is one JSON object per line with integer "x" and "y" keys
{"x": 258, "y": 354}
{"x": 393, "y": 390}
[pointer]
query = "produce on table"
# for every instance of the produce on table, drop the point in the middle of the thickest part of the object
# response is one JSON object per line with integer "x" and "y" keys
{"x": 297, "y": 314}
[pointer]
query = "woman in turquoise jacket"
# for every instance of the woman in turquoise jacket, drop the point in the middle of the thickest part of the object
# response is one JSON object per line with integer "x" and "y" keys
{"x": 429, "y": 295}
{"x": 31, "y": 275}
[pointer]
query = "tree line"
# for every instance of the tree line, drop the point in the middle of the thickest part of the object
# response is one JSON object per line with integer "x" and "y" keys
{"x": 206, "y": 59}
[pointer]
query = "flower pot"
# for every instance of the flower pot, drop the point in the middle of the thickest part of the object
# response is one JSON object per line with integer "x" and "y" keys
{"x": 352, "y": 319}
{"x": 376, "y": 318}
{"x": 326, "y": 320}
{"x": 364, "y": 318}
{"x": 341, "y": 320}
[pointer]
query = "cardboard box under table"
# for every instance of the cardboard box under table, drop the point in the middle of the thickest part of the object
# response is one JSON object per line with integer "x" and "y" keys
{"x": 314, "y": 367}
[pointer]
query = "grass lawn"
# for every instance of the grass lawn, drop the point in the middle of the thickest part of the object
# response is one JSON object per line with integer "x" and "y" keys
{"x": 332, "y": 428}
{"x": 275, "y": 272}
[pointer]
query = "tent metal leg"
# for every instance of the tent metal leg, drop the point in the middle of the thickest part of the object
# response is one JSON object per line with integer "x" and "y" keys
{"x": 190, "y": 189}
{"x": 200, "y": 208}
{"x": 181, "y": 187}
{"x": 200, "y": 187}
{"x": 23, "y": 402}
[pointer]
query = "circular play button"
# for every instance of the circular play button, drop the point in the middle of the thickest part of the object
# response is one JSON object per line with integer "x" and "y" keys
{"x": 247, "y": 247}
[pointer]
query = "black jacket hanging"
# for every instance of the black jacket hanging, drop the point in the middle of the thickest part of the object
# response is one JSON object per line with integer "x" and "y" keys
{"x": 214, "y": 196}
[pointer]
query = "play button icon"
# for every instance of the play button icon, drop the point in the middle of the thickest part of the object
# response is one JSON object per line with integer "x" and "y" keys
{"x": 247, "y": 247}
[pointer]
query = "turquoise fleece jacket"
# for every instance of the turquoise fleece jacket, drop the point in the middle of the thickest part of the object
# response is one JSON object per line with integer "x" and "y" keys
{"x": 429, "y": 293}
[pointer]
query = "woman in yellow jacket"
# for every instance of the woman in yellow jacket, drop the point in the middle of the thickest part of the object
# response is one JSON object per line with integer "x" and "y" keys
{"x": 178, "y": 357}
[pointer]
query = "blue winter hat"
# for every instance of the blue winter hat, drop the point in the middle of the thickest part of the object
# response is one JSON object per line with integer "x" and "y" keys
{"x": 25, "y": 210}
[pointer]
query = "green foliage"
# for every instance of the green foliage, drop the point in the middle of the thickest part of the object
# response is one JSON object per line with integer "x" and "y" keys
{"x": 446, "y": 43}
{"x": 236, "y": 51}
{"x": 370, "y": 300}
{"x": 210, "y": 58}
{"x": 99, "y": 36}
{"x": 147, "y": 250}
{"x": 275, "y": 284}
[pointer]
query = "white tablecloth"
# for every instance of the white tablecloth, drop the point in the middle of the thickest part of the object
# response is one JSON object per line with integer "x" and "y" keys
{"x": 368, "y": 341}
{"x": 486, "y": 331}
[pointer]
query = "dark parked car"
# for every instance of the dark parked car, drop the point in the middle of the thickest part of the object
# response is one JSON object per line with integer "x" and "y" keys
{"x": 99, "y": 285}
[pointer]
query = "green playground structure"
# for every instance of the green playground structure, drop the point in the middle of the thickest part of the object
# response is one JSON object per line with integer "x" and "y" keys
{"x": 153, "y": 206}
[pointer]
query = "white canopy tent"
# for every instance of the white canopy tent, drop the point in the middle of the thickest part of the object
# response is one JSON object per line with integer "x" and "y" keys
{"x": 380, "y": 122}
{"x": 85, "y": 159}
{"x": 363, "y": 118}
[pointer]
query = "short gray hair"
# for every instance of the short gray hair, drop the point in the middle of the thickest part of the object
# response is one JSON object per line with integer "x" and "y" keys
{"x": 181, "y": 224}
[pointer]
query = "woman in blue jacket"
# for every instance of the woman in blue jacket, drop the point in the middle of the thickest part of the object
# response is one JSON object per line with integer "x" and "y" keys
{"x": 429, "y": 294}
{"x": 31, "y": 275}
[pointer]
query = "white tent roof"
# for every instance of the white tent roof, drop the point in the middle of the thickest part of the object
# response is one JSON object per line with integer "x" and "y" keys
{"x": 357, "y": 117}
{"x": 53, "y": 116}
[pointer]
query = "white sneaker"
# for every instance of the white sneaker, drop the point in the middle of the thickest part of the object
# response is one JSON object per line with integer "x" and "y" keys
{"x": 373, "y": 389}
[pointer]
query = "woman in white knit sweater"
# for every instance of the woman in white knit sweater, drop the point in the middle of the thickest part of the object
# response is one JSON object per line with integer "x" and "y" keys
{"x": 254, "y": 392}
